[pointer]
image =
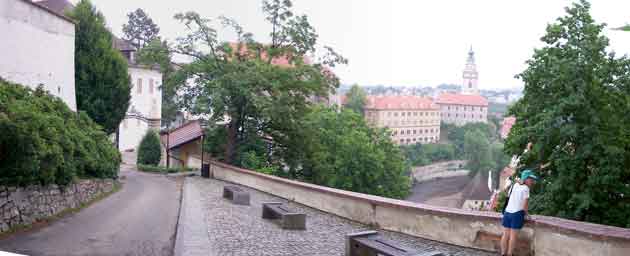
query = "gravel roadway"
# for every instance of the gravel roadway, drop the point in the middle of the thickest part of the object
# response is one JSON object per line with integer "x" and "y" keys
{"x": 140, "y": 219}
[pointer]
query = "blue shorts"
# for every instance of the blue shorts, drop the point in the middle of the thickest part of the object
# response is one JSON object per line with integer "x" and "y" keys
{"x": 514, "y": 220}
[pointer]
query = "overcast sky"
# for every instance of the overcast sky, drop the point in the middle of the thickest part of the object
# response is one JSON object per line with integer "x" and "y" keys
{"x": 402, "y": 42}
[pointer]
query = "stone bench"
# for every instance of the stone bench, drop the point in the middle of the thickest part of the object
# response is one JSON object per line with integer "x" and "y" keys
{"x": 288, "y": 219}
{"x": 370, "y": 243}
{"x": 236, "y": 195}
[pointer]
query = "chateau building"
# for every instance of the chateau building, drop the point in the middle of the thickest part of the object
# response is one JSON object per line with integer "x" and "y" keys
{"x": 461, "y": 109}
{"x": 37, "y": 48}
{"x": 469, "y": 106}
{"x": 412, "y": 119}
{"x": 470, "y": 75}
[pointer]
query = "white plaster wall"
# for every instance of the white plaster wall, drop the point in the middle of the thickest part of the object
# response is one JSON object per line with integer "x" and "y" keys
{"x": 147, "y": 103}
{"x": 37, "y": 47}
{"x": 131, "y": 132}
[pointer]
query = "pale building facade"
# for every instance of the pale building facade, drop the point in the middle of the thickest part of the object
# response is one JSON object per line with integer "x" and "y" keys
{"x": 145, "y": 106}
{"x": 412, "y": 119}
{"x": 460, "y": 109}
{"x": 37, "y": 48}
{"x": 470, "y": 75}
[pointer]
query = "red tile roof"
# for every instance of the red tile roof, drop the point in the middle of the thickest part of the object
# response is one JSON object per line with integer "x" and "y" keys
{"x": 282, "y": 61}
{"x": 400, "y": 102}
{"x": 462, "y": 99}
{"x": 508, "y": 122}
{"x": 183, "y": 134}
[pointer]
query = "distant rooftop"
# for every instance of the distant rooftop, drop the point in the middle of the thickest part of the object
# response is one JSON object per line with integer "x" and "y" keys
{"x": 400, "y": 103}
{"x": 462, "y": 99}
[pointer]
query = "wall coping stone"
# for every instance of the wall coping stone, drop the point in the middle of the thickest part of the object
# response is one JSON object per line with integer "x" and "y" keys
{"x": 558, "y": 224}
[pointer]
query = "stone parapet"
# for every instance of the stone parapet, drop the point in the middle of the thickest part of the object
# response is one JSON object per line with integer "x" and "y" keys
{"x": 26, "y": 205}
{"x": 541, "y": 235}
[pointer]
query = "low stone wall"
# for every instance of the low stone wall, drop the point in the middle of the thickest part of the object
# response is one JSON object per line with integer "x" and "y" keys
{"x": 439, "y": 170}
{"x": 24, "y": 206}
{"x": 542, "y": 236}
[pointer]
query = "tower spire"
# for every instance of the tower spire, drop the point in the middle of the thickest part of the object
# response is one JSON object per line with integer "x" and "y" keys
{"x": 470, "y": 75}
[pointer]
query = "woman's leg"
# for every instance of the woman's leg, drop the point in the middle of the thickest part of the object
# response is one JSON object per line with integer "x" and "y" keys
{"x": 513, "y": 237}
{"x": 504, "y": 241}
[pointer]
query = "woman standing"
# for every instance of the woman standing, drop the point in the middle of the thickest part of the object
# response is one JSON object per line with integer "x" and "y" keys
{"x": 515, "y": 211}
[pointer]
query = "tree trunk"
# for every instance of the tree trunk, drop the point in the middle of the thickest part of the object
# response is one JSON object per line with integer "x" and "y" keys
{"x": 230, "y": 147}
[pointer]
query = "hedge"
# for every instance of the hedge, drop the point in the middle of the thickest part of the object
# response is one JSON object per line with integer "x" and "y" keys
{"x": 150, "y": 151}
{"x": 43, "y": 142}
{"x": 160, "y": 169}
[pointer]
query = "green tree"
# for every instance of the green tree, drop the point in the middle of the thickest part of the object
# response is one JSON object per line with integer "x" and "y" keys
{"x": 356, "y": 99}
{"x": 501, "y": 160}
{"x": 575, "y": 112}
{"x": 150, "y": 150}
{"x": 477, "y": 153}
{"x": 43, "y": 142}
{"x": 101, "y": 80}
{"x": 258, "y": 89}
{"x": 140, "y": 29}
{"x": 341, "y": 151}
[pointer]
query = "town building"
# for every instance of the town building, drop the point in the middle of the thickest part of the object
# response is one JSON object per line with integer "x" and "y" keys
{"x": 470, "y": 75}
{"x": 37, "y": 48}
{"x": 460, "y": 109}
{"x": 145, "y": 106}
{"x": 412, "y": 119}
{"x": 183, "y": 146}
{"x": 506, "y": 126}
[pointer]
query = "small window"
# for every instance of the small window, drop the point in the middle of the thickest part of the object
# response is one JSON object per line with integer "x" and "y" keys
{"x": 402, "y": 114}
{"x": 415, "y": 113}
{"x": 151, "y": 85}
{"x": 414, "y": 131}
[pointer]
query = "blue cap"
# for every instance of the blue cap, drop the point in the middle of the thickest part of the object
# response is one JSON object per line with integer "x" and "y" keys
{"x": 528, "y": 174}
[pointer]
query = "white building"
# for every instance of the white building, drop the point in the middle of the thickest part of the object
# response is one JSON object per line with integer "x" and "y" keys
{"x": 145, "y": 107}
{"x": 37, "y": 48}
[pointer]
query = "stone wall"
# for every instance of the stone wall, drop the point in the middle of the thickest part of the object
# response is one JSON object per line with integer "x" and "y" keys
{"x": 439, "y": 170}
{"x": 23, "y": 206}
{"x": 542, "y": 235}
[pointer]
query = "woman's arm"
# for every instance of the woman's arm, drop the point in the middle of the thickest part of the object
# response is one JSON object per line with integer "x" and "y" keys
{"x": 525, "y": 205}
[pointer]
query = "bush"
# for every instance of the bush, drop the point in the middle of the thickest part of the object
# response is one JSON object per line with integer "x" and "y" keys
{"x": 150, "y": 151}
{"x": 161, "y": 169}
{"x": 43, "y": 142}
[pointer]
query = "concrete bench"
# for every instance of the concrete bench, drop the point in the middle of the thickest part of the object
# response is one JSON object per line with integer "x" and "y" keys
{"x": 370, "y": 243}
{"x": 288, "y": 219}
{"x": 236, "y": 195}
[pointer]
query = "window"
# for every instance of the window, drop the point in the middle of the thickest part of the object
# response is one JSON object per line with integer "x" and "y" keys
{"x": 408, "y": 131}
{"x": 139, "y": 90}
{"x": 402, "y": 141}
{"x": 389, "y": 113}
{"x": 420, "y": 131}
{"x": 408, "y": 113}
{"x": 414, "y": 131}
{"x": 395, "y": 113}
{"x": 415, "y": 113}
{"x": 456, "y": 115}
{"x": 414, "y": 139}
{"x": 151, "y": 85}
{"x": 402, "y": 114}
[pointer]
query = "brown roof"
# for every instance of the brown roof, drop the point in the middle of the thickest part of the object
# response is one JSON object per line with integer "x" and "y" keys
{"x": 181, "y": 135}
{"x": 122, "y": 45}
{"x": 462, "y": 99}
{"x": 400, "y": 102}
{"x": 54, "y": 7}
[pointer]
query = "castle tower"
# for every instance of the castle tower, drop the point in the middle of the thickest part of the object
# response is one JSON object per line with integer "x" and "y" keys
{"x": 470, "y": 75}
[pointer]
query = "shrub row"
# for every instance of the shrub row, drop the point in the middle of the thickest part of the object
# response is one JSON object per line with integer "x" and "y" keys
{"x": 160, "y": 169}
{"x": 43, "y": 142}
